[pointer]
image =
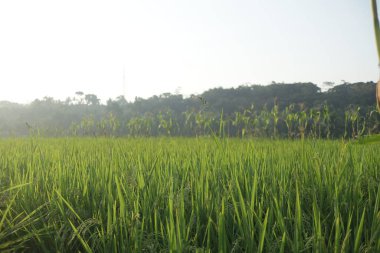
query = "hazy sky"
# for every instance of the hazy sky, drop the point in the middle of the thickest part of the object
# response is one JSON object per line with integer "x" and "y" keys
{"x": 55, "y": 48}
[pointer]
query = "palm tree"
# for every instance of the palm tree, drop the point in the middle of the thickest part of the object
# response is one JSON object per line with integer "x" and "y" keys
{"x": 377, "y": 36}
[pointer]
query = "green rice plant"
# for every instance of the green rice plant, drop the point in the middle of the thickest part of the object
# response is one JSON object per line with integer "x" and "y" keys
{"x": 188, "y": 195}
{"x": 16, "y": 228}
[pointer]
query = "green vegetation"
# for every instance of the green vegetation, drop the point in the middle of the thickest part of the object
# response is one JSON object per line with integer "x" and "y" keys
{"x": 278, "y": 110}
{"x": 189, "y": 195}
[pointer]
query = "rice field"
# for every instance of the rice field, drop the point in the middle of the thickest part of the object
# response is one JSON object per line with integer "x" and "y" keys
{"x": 188, "y": 195}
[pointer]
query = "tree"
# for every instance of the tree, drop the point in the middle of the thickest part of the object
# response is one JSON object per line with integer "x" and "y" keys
{"x": 91, "y": 99}
{"x": 121, "y": 100}
{"x": 79, "y": 94}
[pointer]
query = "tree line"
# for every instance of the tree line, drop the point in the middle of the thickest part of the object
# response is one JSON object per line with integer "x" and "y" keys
{"x": 279, "y": 110}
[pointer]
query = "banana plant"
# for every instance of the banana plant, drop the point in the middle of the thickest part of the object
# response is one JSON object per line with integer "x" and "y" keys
{"x": 148, "y": 122}
{"x": 275, "y": 115}
{"x": 265, "y": 117}
{"x": 113, "y": 123}
{"x": 346, "y": 120}
{"x": 373, "y": 118}
{"x": 247, "y": 117}
{"x": 237, "y": 122}
{"x": 87, "y": 125}
{"x": 358, "y": 124}
{"x": 315, "y": 118}
{"x": 135, "y": 126}
{"x": 189, "y": 123}
{"x": 303, "y": 121}
{"x": 166, "y": 122}
{"x": 326, "y": 118}
{"x": 289, "y": 118}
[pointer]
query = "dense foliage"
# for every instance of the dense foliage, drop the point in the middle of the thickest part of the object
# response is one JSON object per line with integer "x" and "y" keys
{"x": 188, "y": 195}
{"x": 277, "y": 110}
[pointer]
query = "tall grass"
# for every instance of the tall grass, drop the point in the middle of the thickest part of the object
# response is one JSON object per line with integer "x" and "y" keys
{"x": 188, "y": 195}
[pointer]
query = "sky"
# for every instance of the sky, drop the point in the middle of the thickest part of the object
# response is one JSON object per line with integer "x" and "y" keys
{"x": 140, "y": 48}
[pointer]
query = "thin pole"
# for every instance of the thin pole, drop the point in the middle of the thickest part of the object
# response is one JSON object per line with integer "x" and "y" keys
{"x": 377, "y": 37}
{"x": 124, "y": 81}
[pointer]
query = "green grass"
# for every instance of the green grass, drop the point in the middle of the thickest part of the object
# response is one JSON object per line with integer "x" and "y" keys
{"x": 372, "y": 139}
{"x": 188, "y": 195}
